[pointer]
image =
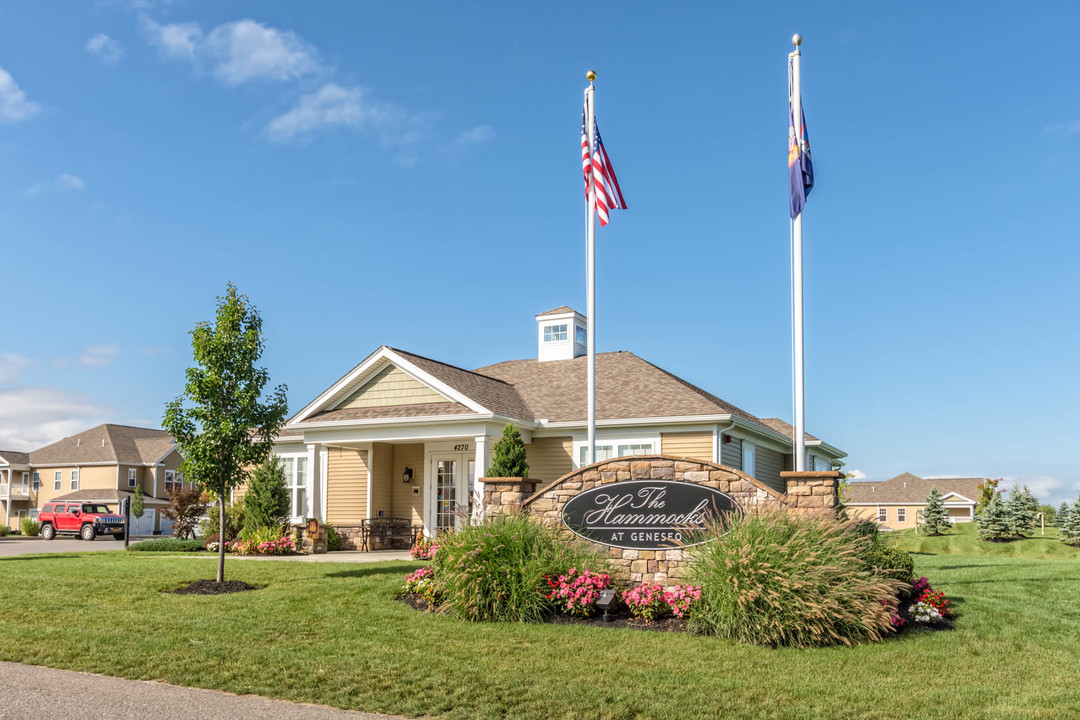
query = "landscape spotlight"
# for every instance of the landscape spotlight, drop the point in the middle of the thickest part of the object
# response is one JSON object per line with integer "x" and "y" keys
{"x": 606, "y": 603}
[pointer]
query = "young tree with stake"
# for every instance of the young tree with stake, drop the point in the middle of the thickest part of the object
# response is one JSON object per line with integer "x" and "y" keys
{"x": 227, "y": 429}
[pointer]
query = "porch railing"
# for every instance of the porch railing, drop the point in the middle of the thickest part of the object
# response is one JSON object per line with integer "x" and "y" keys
{"x": 8, "y": 490}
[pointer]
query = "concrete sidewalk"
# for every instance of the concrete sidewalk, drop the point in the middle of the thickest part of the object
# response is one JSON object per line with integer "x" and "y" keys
{"x": 37, "y": 692}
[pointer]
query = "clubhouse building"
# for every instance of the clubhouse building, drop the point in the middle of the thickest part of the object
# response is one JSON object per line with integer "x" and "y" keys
{"x": 406, "y": 437}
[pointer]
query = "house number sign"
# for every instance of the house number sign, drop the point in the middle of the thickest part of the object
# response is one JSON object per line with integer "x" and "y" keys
{"x": 647, "y": 514}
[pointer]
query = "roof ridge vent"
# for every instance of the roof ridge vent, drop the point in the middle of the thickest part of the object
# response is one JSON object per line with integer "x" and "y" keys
{"x": 78, "y": 441}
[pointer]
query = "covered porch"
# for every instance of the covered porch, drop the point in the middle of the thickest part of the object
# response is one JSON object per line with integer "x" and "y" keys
{"x": 385, "y": 494}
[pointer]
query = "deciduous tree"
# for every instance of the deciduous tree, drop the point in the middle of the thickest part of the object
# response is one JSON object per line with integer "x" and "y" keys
{"x": 186, "y": 508}
{"x": 987, "y": 488}
{"x": 221, "y": 423}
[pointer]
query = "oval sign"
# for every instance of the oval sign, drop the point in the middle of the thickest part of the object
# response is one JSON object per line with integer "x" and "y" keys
{"x": 646, "y": 514}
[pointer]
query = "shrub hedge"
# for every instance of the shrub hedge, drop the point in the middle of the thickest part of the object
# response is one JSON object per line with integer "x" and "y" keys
{"x": 166, "y": 545}
{"x": 779, "y": 579}
{"x": 498, "y": 570}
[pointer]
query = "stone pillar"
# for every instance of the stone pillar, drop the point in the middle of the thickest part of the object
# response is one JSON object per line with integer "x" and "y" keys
{"x": 809, "y": 492}
{"x": 314, "y": 543}
{"x": 505, "y": 495}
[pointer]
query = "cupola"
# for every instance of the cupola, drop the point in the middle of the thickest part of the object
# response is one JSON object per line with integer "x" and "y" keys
{"x": 561, "y": 334}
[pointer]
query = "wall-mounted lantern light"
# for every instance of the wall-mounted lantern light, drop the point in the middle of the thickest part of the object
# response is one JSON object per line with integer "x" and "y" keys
{"x": 406, "y": 477}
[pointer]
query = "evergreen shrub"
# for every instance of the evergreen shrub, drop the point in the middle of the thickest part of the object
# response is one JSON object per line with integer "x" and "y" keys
{"x": 498, "y": 570}
{"x": 167, "y": 545}
{"x": 993, "y": 521}
{"x": 779, "y": 579}
{"x": 266, "y": 502}
{"x": 508, "y": 455}
{"x": 1069, "y": 527}
{"x": 234, "y": 523}
{"x": 935, "y": 518}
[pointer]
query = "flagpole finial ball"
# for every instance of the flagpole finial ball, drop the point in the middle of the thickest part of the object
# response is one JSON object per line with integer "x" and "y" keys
{"x": 796, "y": 39}
{"x": 591, "y": 75}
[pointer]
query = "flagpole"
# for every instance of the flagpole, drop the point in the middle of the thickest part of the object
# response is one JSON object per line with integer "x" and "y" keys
{"x": 590, "y": 273}
{"x": 797, "y": 272}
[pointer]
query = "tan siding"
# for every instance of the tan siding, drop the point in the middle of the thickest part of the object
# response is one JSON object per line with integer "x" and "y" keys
{"x": 405, "y": 504}
{"x": 549, "y": 458}
{"x": 698, "y": 445}
{"x": 391, "y": 387}
{"x": 870, "y": 512}
{"x": 731, "y": 453}
{"x": 768, "y": 464}
{"x": 381, "y": 466}
{"x": 95, "y": 477}
{"x": 346, "y": 486}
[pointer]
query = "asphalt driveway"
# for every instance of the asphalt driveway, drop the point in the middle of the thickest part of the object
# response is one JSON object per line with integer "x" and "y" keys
{"x": 36, "y": 692}
{"x": 16, "y": 545}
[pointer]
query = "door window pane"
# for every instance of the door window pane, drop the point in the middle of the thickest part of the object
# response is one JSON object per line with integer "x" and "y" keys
{"x": 445, "y": 494}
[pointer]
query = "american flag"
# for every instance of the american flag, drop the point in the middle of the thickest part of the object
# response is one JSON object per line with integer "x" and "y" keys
{"x": 598, "y": 166}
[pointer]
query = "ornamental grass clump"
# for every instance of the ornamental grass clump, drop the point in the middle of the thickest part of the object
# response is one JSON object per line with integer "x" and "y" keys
{"x": 497, "y": 571}
{"x": 780, "y": 579}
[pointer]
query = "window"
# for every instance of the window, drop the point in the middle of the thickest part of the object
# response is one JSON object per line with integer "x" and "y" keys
{"x": 174, "y": 481}
{"x": 131, "y": 477}
{"x": 580, "y": 336}
{"x": 749, "y": 458}
{"x": 819, "y": 464}
{"x": 47, "y": 509}
{"x": 35, "y": 513}
{"x": 608, "y": 450}
{"x": 58, "y": 481}
{"x": 296, "y": 480}
{"x": 37, "y": 481}
{"x": 74, "y": 479}
{"x": 882, "y": 514}
{"x": 901, "y": 514}
{"x": 554, "y": 333}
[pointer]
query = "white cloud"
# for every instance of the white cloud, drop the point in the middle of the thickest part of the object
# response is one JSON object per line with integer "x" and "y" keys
{"x": 1065, "y": 128}
{"x": 105, "y": 48}
{"x": 13, "y": 103}
{"x": 330, "y": 105}
{"x": 32, "y": 417}
{"x": 479, "y": 134}
{"x": 333, "y": 105}
{"x": 237, "y": 52}
{"x": 98, "y": 355}
{"x": 857, "y": 474}
{"x": 178, "y": 40}
{"x": 63, "y": 181}
{"x": 12, "y": 366}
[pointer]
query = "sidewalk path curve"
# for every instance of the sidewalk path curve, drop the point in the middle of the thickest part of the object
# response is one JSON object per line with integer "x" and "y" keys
{"x": 29, "y": 691}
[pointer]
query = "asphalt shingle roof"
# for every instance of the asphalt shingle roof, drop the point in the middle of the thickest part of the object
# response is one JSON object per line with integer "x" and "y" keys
{"x": 107, "y": 443}
{"x": 910, "y": 489}
{"x": 12, "y": 457}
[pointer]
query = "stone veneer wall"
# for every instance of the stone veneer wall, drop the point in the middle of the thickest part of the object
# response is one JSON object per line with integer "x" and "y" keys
{"x": 645, "y": 565}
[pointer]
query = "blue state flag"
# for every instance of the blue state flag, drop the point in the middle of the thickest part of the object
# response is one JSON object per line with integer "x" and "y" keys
{"x": 800, "y": 168}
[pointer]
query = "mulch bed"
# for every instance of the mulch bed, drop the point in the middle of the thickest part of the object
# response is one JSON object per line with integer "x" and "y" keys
{"x": 620, "y": 618}
{"x": 213, "y": 587}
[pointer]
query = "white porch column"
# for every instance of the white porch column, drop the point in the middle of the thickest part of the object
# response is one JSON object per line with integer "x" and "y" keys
{"x": 7, "y": 501}
{"x": 315, "y": 483}
{"x": 324, "y": 464}
{"x": 483, "y": 457}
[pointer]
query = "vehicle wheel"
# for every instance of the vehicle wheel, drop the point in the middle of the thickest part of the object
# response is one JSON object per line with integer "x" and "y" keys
{"x": 88, "y": 532}
{"x": 118, "y": 536}
{"x": 48, "y": 532}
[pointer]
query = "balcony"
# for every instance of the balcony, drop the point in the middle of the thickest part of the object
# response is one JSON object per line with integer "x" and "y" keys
{"x": 14, "y": 492}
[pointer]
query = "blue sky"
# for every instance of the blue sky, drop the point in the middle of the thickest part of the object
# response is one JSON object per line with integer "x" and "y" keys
{"x": 375, "y": 173}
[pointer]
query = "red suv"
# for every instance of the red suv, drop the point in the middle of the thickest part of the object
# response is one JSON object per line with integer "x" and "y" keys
{"x": 87, "y": 520}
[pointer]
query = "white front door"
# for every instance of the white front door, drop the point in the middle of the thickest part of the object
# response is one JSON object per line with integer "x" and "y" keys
{"x": 450, "y": 498}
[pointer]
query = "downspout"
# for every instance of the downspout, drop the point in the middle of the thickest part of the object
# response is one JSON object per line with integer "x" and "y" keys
{"x": 720, "y": 440}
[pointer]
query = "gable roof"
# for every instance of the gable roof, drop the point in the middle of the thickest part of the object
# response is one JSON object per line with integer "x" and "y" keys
{"x": 626, "y": 387}
{"x": 910, "y": 489}
{"x": 107, "y": 444}
{"x": 12, "y": 457}
{"x": 493, "y": 393}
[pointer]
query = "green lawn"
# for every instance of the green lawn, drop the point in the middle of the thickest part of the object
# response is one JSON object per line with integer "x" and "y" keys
{"x": 333, "y": 634}
{"x": 963, "y": 540}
